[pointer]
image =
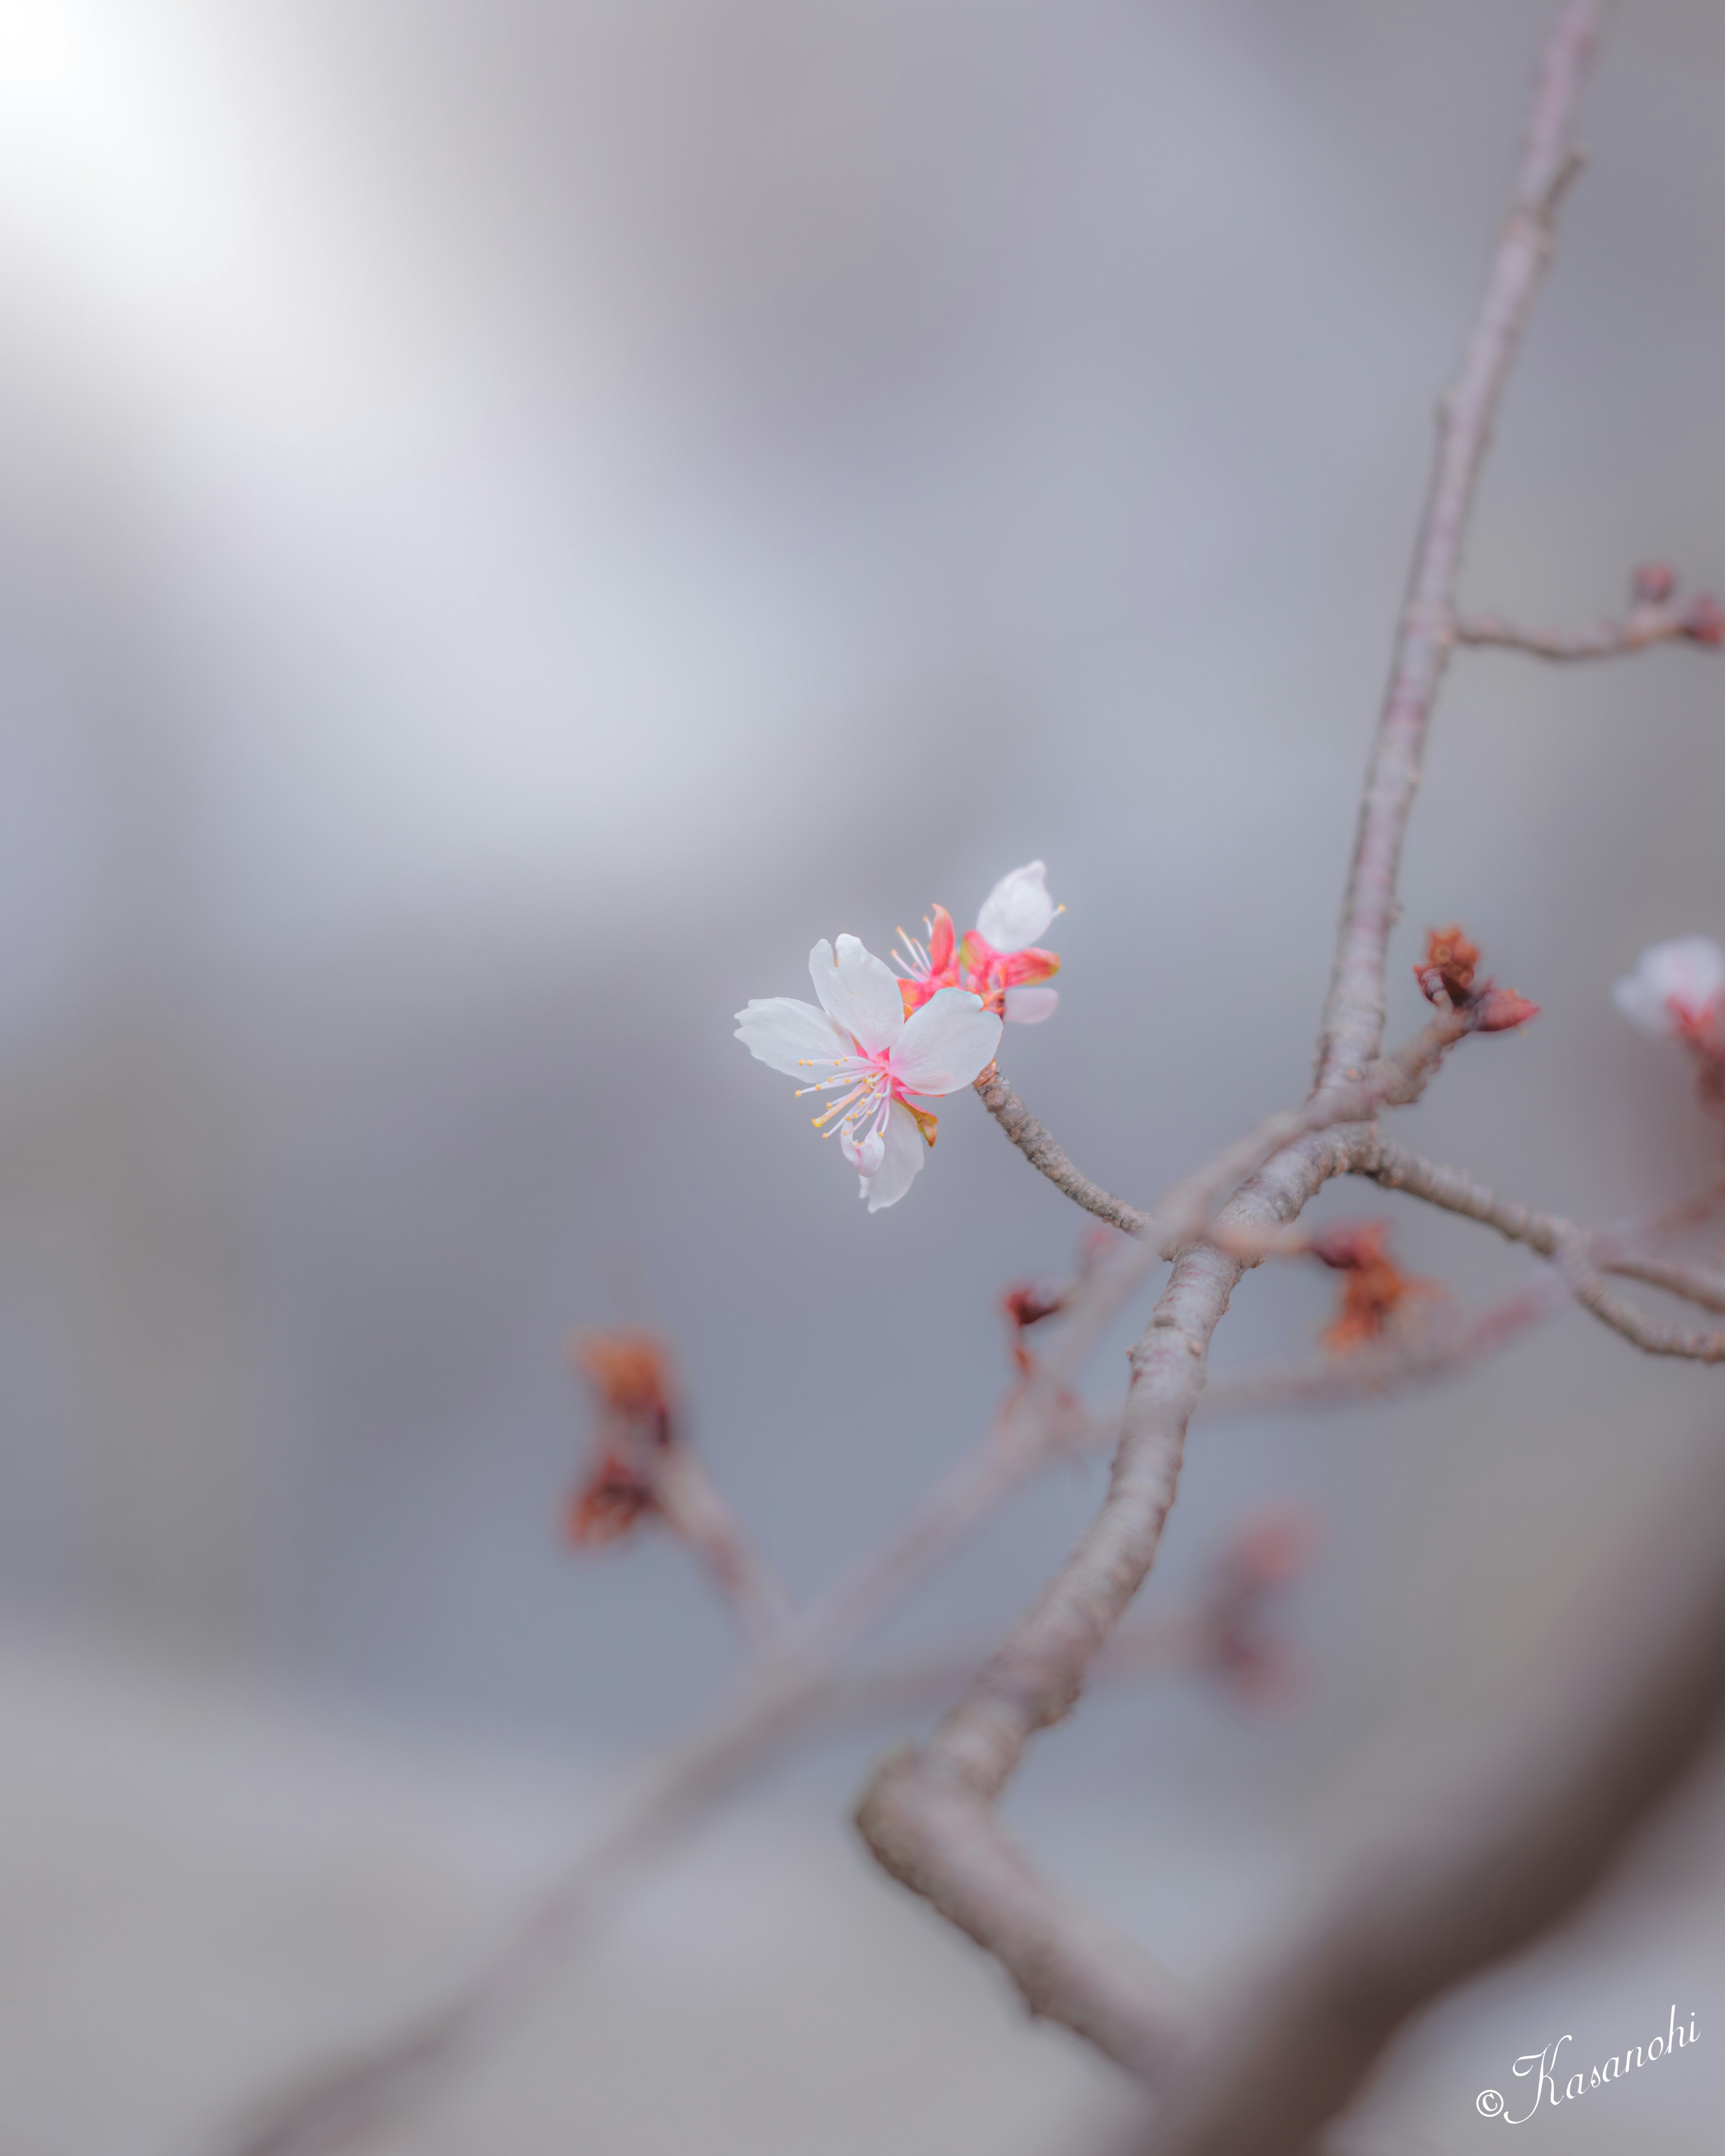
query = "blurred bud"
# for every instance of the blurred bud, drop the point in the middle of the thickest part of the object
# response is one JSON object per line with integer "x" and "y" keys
{"x": 1269, "y": 1554}
{"x": 1377, "y": 1293}
{"x": 1028, "y": 1304}
{"x": 1704, "y": 620}
{"x": 1653, "y": 584}
{"x": 1025, "y": 1304}
{"x": 634, "y": 1397}
{"x": 1276, "y": 1547}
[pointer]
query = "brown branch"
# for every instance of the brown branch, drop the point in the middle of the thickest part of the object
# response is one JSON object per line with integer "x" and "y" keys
{"x": 1697, "y": 1284}
{"x": 1354, "y": 1015}
{"x": 1393, "y": 1081}
{"x": 1486, "y": 1877}
{"x": 1644, "y": 627}
{"x": 1045, "y": 1154}
{"x": 929, "y": 1815}
{"x": 1647, "y": 1333}
{"x": 1579, "y": 1256}
{"x": 1154, "y": 1646}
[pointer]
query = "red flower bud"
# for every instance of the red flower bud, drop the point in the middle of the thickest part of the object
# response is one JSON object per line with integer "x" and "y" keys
{"x": 1500, "y": 1010}
{"x": 1653, "y": 584}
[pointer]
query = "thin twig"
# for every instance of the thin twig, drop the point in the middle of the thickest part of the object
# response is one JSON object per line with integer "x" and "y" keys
{"x": 1580, "y": 1257}
{"x": 1045, "y": 1154}
{"x": 1354, "y": 1015}
{"x": 1697, "y": 1284}
{"x": 1184, "y": 1212}
{"x": 1639, "y": 631}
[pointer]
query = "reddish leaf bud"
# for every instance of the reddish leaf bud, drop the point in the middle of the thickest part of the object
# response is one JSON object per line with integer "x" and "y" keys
{"x": 1653, "y": 584}
{"x": 1704, "y": 622}
{"x": 1500, "y": 1010}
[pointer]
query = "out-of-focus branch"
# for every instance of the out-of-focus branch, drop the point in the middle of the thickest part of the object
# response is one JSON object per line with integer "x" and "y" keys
{"x": 1036, "y": 1425}
{"x": 694, "y": 1510}
{"x": 1579, "y": 1257}
{"x": 1334, "y": 1381}
{"x": 1647, "y": 1333}
{"x": 1224, "y": 1629}
{"x": 1354, "y": 1015}
{"x": 1697, "y": 1284}
{"x": 1655, "y": 617}
{"x": 641, "y": 1468}
{"x": 1487, "y": 1876}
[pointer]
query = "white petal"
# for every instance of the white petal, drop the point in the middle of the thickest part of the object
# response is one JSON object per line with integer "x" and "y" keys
{"x": 859, "y": 991}
{"x": 1031, "y": 1006}
{"x": 1690, "y": 970}
{"x": 789, "y": 1035}
{"x": 868, "y": 1156}
{"x": 1018, "y": 909}
{"x": 902, "y": 1162}
{"x": 945, "y": 1043}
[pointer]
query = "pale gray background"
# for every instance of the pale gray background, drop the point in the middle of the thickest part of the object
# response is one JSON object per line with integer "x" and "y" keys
{"x": 516, "y": 519}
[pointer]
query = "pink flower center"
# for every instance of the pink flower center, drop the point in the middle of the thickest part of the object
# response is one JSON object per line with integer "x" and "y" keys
{"x": 862, "y": 1112}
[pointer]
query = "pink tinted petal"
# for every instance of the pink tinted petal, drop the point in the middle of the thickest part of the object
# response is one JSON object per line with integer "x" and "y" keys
{"x": 786, "y": 1034}
{"x": 1031, "y": 1006}
{"x": 1688, "y": 973}
{"x": 901, "y": 1161}
{"x": 1016, "y": 910}
{"x": 859, "y": 991}
{"x": 945, "y": 1043}
{"x": 865, "y": 1157}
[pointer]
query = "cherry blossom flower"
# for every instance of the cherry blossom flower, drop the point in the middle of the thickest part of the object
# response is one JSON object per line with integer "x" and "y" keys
{"x": 1676, "y": 992}
{"x": 862, "y": 1040}
{"x": 996, "y": 960}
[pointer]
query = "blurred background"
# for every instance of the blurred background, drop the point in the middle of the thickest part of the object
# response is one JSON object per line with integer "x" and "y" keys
{"x": 514, "y": 521}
